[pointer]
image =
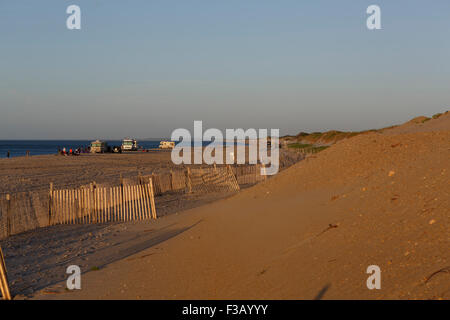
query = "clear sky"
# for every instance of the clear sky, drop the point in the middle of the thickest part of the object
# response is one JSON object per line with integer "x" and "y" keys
{"x": 143, "y": 68}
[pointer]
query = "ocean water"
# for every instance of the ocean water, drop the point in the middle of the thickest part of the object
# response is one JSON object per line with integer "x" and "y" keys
{"x": 18, "y": 148}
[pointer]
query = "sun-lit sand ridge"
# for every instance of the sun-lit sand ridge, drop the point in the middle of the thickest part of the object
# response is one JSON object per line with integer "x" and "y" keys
{"x": 310, "y": 232}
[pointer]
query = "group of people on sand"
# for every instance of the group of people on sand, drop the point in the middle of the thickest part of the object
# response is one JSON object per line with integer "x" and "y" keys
{"x": 71, "y": 152}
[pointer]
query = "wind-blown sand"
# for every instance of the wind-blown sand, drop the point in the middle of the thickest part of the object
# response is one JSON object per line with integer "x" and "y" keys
{"x": 36, "y": 172}
{"x": 38, "y": 258}
{"x": 308, "y": 233}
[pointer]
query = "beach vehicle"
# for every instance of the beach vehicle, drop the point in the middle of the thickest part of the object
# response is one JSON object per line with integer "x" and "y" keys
{"x": 99, "y": 146}
{"x": 129, "y": 144}
{"x": 167, "y": 145}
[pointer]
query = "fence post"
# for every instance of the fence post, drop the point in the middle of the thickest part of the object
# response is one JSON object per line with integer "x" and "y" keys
{"x": 90, "y": 194}
{"x": 6, "y": 294}
{"x": 8, "y": 215}
{"x": 83, "y": 199}
{"x": 58, "y": 207}
{"x": 78, "y": 193}
{"x": 156, "y": 179}
{"x": 64, "y": 206}
{"x": 94, "y": 202}
{"x": 134, "y": 203}
{"x": 121, "y": 203}
{"x": 171, "y": 180}
{"x": 139, "y": 200}
{"x": 147, "y": 203}
{"x": 110, "y": 204}
{"x": 70, "y": 206}
{"x": 152, "y": 199}
{"x": 231, "y": 175}
{"x": 105, "y": 205}
{"x": 50, "y": 203}
{"x": 188, "y": 180}
{"x": 129, "y": 203}
{"x": 153, "y": 179}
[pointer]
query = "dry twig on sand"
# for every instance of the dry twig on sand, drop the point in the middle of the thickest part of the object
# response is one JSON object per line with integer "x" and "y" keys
{"x": 330, "y": 226}
{"x": 445, "y": 269}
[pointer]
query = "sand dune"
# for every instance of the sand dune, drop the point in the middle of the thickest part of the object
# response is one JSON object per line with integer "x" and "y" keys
{"x": 441, "y": 122}
{"x": 310, "y": 232}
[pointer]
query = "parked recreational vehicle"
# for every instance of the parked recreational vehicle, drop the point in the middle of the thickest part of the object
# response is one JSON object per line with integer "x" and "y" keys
{"x": 98, "y": 146}
{"x": 167, "y": 145}
{"x": 129, "y": 145}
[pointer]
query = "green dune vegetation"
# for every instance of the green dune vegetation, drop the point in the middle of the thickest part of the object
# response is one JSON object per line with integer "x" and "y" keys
{"x": 317, "y": 141}
{"x": 307, "y": 148}
{"x": 423, "y": 119}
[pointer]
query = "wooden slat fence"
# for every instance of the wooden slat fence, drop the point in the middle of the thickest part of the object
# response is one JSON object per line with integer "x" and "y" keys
{"x": 217, "y": 179}
{"x": 207, "y": 180}
{"x": 4, "y": 286}
{"x": 247, "y": 175}
{"x": 20, "y": 212}
{"x": 131, "y": 200}
{"x": 95, "y": 204}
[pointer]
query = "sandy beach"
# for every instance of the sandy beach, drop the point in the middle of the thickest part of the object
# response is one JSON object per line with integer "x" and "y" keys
{"x": 35, "y": 173}
{"x": 225, "y": 159}
{"x": 36, "y": 258}
{"x": 310, "y": 232}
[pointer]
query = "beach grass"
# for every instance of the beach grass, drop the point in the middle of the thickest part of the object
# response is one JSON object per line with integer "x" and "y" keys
{"x": 308, "y": 148}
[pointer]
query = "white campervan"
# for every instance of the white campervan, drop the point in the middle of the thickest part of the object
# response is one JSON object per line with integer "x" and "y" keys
{"x": 129, "y": 145}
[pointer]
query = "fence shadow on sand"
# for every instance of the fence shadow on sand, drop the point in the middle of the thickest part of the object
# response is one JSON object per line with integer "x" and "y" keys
{"x": 32, "y": 270}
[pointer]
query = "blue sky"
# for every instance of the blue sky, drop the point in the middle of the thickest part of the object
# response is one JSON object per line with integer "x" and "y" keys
{"x": 144, "y": 68}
